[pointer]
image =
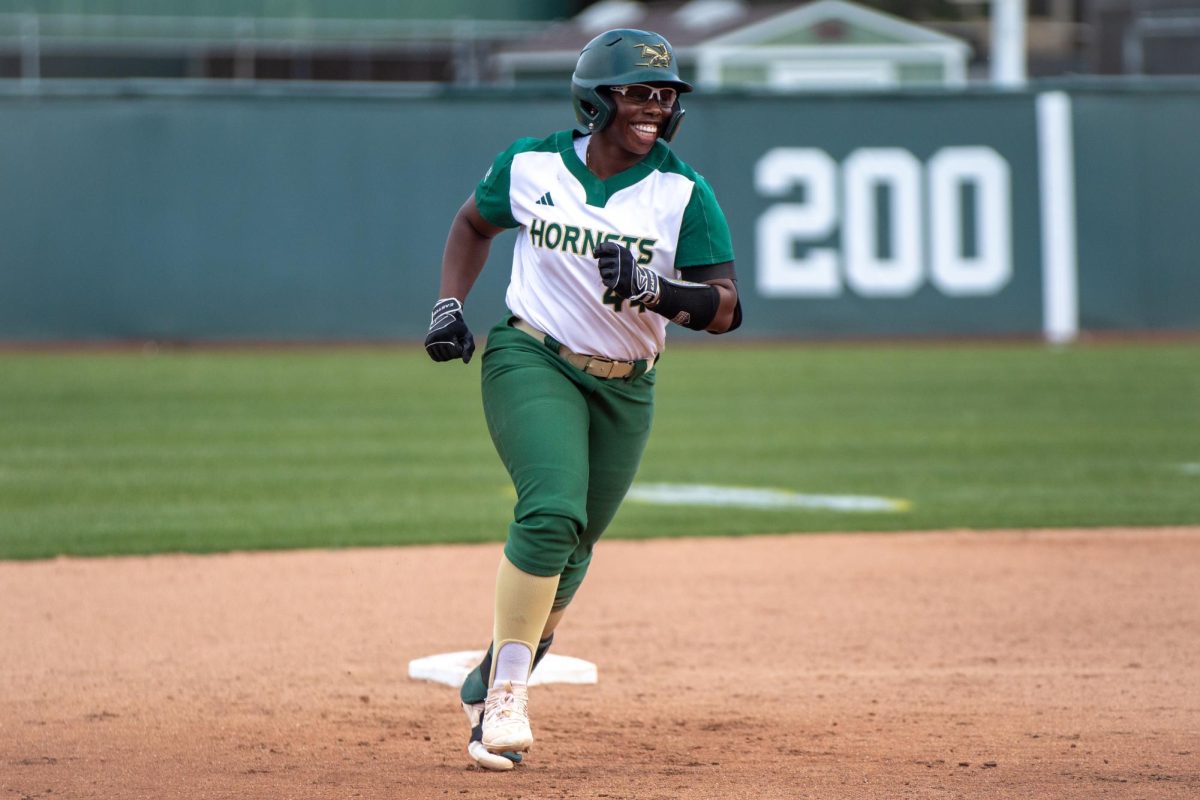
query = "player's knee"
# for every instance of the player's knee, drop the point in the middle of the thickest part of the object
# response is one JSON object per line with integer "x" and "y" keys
{"x": 568, "y": 585}
{"x": 542, "y": 544}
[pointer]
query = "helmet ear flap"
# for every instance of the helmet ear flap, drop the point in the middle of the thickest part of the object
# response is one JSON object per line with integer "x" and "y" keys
{"x": 673, "y": 123}
{"x": 593, "y": 109}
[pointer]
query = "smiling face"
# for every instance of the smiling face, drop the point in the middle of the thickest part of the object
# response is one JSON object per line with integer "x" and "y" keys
{"x": 636, "y": 126}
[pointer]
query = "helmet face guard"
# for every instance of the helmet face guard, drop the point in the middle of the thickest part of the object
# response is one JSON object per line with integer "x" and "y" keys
{"x": 617, "y": 58}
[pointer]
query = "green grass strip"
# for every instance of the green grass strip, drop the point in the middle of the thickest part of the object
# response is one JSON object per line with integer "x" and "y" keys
{"x": 209, "y": 451}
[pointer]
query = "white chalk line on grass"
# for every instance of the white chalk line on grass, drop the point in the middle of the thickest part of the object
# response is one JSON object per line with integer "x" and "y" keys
{"x": 698, "y": 494}
{"x": 1192, "y": 468}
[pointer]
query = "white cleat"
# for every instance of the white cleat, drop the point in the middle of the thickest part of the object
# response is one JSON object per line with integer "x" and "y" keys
{"x": 475, "y": 747}
{"x": 506, "y": 719}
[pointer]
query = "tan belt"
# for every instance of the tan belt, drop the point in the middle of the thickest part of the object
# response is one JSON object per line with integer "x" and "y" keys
{"x": 598, "y": 366}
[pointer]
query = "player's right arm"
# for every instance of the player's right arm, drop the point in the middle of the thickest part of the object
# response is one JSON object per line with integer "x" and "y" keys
{"x": 486, "y": 213}
{"x": 466, "y": 252}
{"x": 467, "y": 248}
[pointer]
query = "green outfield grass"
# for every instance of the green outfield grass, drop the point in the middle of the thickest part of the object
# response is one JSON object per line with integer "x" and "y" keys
{"x": 207, "y": 451}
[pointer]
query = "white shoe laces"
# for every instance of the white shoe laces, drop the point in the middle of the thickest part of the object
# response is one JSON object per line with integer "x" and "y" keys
{"x": 507, "y": 705}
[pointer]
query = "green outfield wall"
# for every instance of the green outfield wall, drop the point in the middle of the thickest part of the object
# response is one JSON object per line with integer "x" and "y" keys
{"x": 181, "y": 211}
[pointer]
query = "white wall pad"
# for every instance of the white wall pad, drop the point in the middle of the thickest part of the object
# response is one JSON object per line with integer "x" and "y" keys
{"x": 452, "y": 668}
{"x": 1056, "y": 169}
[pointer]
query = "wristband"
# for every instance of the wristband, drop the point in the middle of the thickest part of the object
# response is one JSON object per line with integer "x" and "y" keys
{"x": 692, "y": 305}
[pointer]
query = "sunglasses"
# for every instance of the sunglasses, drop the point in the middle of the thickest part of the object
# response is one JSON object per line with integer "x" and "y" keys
{"x": 641, "y": 94}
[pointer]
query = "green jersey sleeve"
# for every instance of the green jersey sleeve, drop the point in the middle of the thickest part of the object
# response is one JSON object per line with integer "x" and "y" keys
{"x": 491, "y": 195}
{"x": 704, "y": 234}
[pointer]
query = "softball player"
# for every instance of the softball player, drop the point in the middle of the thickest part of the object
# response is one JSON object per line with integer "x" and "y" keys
{"x": 609, "y": 222}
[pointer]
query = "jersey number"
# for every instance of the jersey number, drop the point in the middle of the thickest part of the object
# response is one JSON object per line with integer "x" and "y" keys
{"x": 615, "y": 300}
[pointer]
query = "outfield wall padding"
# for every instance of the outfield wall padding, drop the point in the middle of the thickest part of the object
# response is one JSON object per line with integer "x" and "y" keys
{"x": 202, "y": 212}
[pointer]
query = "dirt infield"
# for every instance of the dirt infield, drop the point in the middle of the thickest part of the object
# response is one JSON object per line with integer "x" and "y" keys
{"x": 1056, "y": 664}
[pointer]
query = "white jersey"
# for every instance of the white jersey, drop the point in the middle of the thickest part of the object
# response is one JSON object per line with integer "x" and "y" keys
{"x": 660, "y": 208}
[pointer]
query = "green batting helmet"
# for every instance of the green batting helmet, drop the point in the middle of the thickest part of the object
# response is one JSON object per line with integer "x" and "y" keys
{"x": 617, "y": 58}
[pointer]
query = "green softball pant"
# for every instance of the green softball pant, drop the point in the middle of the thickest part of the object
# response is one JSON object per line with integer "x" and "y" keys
{"x": 571, "y": 443}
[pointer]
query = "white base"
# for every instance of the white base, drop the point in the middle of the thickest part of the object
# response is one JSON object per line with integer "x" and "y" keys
{"x": 452, "y": 668}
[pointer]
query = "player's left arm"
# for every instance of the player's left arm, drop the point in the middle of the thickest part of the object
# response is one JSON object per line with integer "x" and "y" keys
{"x": 723, "y": 278}
{"x": 708, "y": 301}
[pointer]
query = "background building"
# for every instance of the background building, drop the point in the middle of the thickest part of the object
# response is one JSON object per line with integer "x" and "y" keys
{"x": 830, "y": 43}
{"x": 729, "y": 44}
{"x": 1146, "y": 37}
{"x": 347, "y": 40}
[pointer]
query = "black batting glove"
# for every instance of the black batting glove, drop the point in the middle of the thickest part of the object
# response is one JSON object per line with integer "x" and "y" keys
{"x": 619, "y": 272}
{"x": 449, "y": 337}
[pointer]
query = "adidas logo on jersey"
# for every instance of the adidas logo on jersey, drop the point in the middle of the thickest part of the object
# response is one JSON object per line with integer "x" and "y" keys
{"x": 545, "y": 200}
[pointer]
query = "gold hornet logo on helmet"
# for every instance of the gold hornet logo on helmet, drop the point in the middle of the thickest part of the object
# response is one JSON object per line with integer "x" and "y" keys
{"x": 654, "y": 55}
